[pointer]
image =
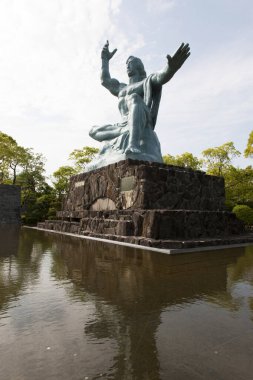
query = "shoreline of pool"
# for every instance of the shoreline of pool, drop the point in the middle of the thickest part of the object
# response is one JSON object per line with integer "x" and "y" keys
{"x": 171, "y": 251}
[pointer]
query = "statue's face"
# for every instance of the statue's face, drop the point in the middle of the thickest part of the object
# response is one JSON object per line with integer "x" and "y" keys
{"x": 132, "y": 67}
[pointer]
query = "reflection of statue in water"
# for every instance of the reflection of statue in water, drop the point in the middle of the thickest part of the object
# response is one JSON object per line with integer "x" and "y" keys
{"x": 139, "y": 102}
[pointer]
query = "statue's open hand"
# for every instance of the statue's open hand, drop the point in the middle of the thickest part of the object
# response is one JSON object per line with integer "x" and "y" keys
{"x": 177, "y": 60}
{"x": 106, "y": 54}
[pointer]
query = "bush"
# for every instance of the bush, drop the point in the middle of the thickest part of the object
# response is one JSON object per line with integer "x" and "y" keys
{"x": 244, "y": 213}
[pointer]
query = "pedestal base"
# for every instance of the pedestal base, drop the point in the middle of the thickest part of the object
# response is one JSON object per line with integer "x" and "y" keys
{"x": 149, "y": 204}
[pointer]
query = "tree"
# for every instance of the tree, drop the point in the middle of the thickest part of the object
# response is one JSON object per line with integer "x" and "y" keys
{"x": 239, "y": 185}
{"x": 244, "y": 213}
{"x": 83, "y": 156}
{"x": 218, "y": 159}
{"x": 13, "y": 158}
{"x": 32, "y": 176}
{"x": 41, "y": 206}
{"x": 61, "y": 178}
{"x": 23, "y": 167}
{"x": 79, "y": 157}
{"x": 18, "y": 160}
{"x": 186, "y": 160}
{"x": 7, "y": 152}
{"x": 38, "y": 198}
{"x": 249, "y": 149}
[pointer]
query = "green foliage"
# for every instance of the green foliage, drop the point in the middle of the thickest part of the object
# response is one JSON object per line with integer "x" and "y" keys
{"x": 23, "y": 167}
{"x": 8, "y": 147}
{"x": 40, "y": 206}
{"x": 15, "y": 159}
{"x": 229, "y": 205}
{"x": 34, "y": 186}
{"x": 61, "y": 176}
{"x": 61, "y": 179}
{"x": 186, "y": 160}
{"x": 244, "y": 213}
{"x": 83, "y": 156}
{"x": 32, "y": 178}
{"x": 249, "y": 148}
{"x": 217, "y": 160}
{"x": 239, "y": 185}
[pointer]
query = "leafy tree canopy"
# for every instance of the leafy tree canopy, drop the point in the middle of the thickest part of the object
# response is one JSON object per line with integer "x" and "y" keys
{"x": 61, "y": 179}
{"x": 249, "y": 148}
{"x": 239, "y": 185}
{"x": 186, "y": 160}
{"x": 83, "y": 156}
{"x": 15, "y": 159}
{"x": 79, "y": 157}
{"x": 216, "y": 160}
{"x": 244, "y": 213}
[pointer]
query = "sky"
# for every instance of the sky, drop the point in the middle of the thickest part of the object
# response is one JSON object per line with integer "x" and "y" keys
{"x": 50, "y": 91}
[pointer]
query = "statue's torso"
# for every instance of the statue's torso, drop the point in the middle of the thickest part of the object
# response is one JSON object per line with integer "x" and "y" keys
{"x": 125, "y": 91}
{"x": 133, "y": 88}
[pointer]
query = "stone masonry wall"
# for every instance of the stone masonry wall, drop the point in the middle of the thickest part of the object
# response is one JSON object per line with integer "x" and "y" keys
{"x": 143, "y": 185}
{"x": 9, "y": 204}
{"x": 148, "y": 204}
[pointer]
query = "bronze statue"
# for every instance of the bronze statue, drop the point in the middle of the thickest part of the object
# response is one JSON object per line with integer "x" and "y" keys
{"x": 134, "y": 136}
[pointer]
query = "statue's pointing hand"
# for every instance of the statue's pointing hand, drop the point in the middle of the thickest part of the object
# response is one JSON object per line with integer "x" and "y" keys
{"x": 106, "y": 54}
{"x": 177, "y": 60}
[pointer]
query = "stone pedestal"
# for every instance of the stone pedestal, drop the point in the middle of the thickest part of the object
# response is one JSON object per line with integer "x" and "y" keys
{"x": 149, "y": 204}
{"x": 141, "y": 185}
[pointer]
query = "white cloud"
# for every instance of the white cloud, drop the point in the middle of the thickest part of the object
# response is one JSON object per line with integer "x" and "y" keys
{"x": 49, "y": 71}
{"x": 160, "y": 5}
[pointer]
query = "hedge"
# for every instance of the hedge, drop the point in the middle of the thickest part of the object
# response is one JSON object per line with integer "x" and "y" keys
{"x": 244, "y": 213}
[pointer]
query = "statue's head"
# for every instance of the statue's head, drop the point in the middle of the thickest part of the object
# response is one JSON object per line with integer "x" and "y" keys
{"x": 134, "y": 63}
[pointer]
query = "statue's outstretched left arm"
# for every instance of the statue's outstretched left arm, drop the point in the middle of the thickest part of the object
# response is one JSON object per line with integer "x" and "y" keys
{"x": 173, "y": 65}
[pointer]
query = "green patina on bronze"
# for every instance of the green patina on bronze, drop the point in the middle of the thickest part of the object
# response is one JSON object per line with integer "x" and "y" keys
{"x": 134, "y": 137}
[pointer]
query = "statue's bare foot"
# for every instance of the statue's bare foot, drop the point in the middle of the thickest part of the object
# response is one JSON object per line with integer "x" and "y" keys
{"x": 133, "y": 149}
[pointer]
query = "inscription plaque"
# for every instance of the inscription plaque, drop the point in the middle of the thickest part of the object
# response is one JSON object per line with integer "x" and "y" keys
{"x": 127, "y": 183}
{"x": 79, "y": 184}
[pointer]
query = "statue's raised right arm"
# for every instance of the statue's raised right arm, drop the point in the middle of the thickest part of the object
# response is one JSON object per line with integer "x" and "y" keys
{"x": 173, "y": 65}
{"x": 111, "y": 84}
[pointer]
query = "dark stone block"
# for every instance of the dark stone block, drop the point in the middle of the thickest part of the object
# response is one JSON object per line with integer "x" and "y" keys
{"x": 142, "y": 185}
{"x": 149, "y": 204}
{"x": 10, "y": 204}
